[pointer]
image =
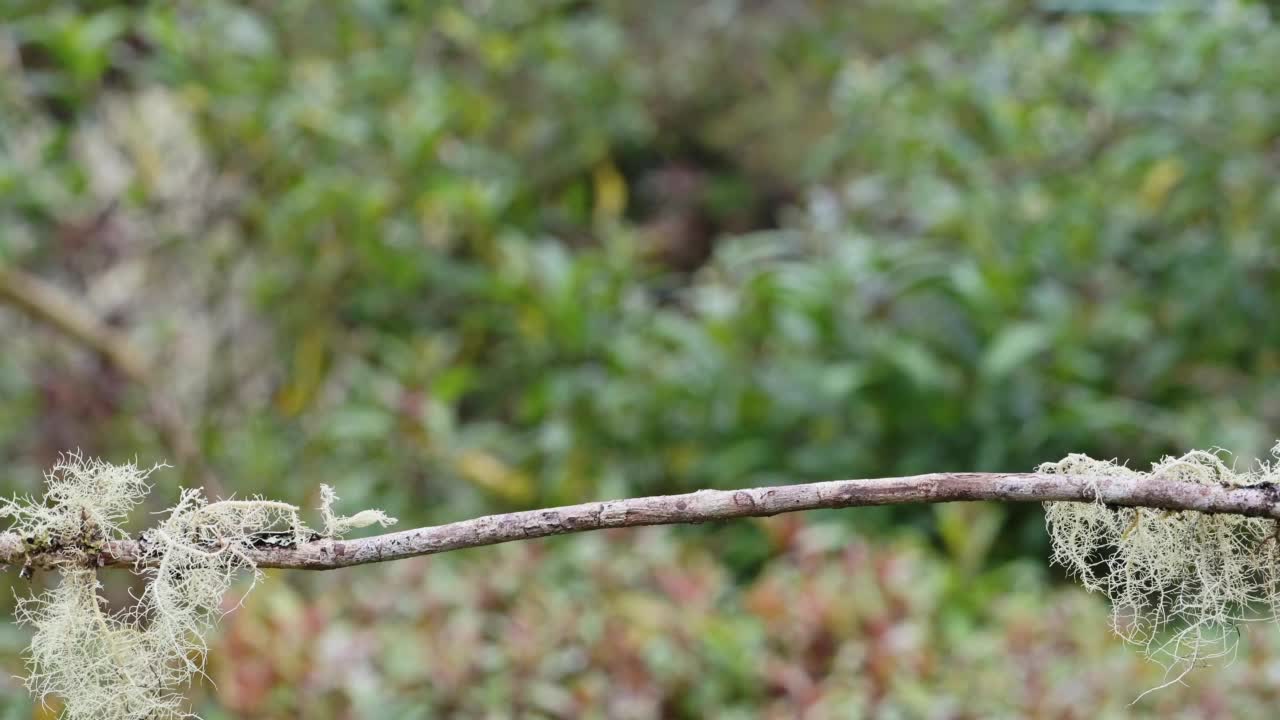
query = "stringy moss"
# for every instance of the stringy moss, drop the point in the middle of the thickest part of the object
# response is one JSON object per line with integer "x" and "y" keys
{"x": 132, "y": 664}
{"x": 1180, "y": 582}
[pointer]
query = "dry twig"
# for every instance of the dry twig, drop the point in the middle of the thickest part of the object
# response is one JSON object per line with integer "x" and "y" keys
{"x": 711, "y": 505}
{"x": 58, "y": 309}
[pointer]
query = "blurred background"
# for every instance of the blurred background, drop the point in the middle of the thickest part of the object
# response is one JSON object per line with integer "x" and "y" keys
{"x": 457, "y": 258}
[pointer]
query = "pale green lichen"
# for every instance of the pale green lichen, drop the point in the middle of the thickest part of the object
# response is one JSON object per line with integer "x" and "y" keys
{"x": 1180, "y": 582}
{"x": 85, "y": 501}
{"x": 133, "y": 663}
{"x": 337, "y": 525}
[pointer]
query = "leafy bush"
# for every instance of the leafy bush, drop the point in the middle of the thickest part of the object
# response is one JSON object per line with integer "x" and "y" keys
{"x": 1011, "y": 234}
{"x": 468, "y": 256}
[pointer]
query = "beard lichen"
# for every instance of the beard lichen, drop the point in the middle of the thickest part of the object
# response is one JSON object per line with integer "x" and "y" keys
{"x": 1180, "y": 582}
{"x": 133, "y": 663}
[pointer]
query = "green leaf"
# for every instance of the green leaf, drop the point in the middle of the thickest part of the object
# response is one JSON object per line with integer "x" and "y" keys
{"x": 1014, "y": 346}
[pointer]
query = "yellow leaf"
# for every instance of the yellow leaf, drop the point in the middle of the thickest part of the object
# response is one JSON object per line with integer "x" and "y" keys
{"x": 532, "y": 324}
{"x": 610, "y": 191}
{"x": 1160, "y": 179}
{"x": 310, "y": 363}
{"x": 492, "y": 474}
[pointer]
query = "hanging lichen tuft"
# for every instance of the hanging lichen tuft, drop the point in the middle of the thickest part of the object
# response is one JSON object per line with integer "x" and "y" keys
{"x": 132, "y": 664}
{"x": 1179, "y": 581}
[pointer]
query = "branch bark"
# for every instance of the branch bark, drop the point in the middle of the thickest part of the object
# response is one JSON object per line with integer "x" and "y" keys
{"x": 710, "y": 505}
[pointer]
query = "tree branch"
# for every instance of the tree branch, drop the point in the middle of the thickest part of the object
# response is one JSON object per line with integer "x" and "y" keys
{"x": 54, "y": 307}
{"x": 1261, "y": 500}
{"x": 49, "y": 304}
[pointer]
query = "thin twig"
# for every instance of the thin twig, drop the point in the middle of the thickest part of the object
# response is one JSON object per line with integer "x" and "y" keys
{"x": 711, "y": 505}
{"x": 58, "y": 309}
{"x": 50, "y": 305}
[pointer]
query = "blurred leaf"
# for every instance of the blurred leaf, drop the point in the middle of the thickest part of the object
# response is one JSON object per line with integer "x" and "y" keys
{"x": 1159, "y": 180}
{"x": 610, "y": 192}
{"x": 1014, "y": 346}
{"x": 968, "y": 531}
{"x": 495, "y": 476}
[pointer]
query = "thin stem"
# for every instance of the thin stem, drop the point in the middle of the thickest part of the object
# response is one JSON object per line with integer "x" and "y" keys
{"x": 61, "y": 310}
{"x": 1262, "y": 500}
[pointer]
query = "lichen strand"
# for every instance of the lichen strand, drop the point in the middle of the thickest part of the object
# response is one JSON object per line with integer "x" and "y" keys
{"x": 337, "y": 525}
{"x": 85, "y": 502}
{"x": 1179, "y": 582}
{"x": 132, "y": 664}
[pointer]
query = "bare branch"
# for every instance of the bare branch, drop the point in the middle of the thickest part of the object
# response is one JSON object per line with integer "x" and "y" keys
{"x": 62, "y": 311}
{"x": 1262, "y": 500}
{"x": 54, "y": 307}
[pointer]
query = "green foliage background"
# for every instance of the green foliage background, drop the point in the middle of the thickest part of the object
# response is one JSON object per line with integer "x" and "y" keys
{"x": 458, "y": 258}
